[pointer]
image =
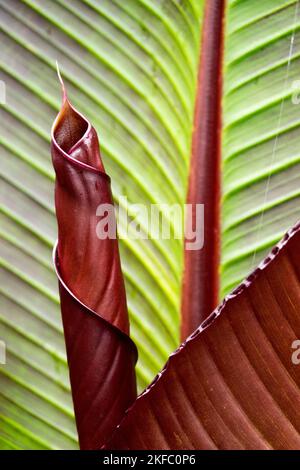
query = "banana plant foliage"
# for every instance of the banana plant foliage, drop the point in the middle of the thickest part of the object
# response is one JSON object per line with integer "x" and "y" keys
{"x": 156, "y": 79}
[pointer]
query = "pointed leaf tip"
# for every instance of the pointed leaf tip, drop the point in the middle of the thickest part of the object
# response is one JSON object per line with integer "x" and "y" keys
{"x": 64, "y": 90}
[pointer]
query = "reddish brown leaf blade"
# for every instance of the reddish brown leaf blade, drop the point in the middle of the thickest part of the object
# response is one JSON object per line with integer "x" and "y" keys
{"x": 232, "y": 384}
{"x": 100, "y": 354}
{"x": 201, "y": 272}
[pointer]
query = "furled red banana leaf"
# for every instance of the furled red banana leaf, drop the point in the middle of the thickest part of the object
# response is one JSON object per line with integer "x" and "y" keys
{"x": 232, "y": 384}
{"x": 101, "y": 356}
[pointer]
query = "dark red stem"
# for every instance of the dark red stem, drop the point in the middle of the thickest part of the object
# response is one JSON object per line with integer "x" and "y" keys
{"x": 201, "y": 276}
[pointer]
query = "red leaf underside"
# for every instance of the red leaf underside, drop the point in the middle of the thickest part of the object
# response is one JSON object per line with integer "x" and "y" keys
{"x": 232, "y": 384}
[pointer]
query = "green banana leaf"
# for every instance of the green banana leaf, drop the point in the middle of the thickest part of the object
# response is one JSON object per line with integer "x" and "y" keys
{"x": 131, "y": 68}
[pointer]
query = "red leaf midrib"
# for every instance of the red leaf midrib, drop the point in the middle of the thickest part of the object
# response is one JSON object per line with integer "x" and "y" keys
{"x": 201, "y": 273}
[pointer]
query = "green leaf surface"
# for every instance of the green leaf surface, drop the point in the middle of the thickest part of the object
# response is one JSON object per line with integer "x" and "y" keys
{"x": 261, "y": 145}
{"x": 131, "y": 68}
